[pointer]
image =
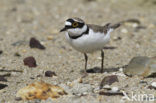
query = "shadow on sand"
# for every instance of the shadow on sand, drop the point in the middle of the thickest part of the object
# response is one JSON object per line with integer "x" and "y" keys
{"x": 98, "y": 69}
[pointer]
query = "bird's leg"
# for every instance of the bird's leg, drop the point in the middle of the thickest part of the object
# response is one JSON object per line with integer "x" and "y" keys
{"x": 102, "y": 60}
{"x": 86, "y": 59}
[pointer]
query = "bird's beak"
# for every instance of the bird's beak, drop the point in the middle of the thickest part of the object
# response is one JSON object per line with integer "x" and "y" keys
{"x": 64, "y": 29}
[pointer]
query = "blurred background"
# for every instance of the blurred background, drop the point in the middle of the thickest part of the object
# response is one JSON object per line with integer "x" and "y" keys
{"x": 22, "y": 19}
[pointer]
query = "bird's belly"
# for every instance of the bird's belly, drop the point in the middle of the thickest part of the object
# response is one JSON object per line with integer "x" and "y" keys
{"x": 89, "y": 43}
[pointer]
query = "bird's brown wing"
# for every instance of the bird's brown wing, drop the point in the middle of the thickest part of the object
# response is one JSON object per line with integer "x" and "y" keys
{"x": 103, "y": 29}
{"x": 97, "y": 28}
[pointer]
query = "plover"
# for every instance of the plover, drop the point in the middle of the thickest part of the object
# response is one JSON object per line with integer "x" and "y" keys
{"x": 87, "y": 38}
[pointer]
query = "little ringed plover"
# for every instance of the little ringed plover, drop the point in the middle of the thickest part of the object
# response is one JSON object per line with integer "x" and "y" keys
{"x": 87, "y": 38}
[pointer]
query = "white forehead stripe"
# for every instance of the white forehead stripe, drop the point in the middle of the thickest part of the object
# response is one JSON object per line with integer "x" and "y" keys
{"x": 68, "y": 23}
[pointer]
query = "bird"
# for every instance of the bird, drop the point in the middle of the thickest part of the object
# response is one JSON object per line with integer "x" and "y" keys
{"x": 88, "y": 38}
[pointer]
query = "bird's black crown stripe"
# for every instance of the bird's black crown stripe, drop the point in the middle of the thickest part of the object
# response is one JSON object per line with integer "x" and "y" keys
{"x": 70, "y": 20}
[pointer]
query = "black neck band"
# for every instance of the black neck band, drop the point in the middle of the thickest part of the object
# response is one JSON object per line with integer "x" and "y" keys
{"x": 75, "y": 37}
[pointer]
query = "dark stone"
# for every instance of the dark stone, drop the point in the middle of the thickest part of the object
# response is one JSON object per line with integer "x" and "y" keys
{"x": 14, "y": 9}
{"x": 32, "y": 78}
{"x": 63, "y": 47}
{"x": 151, "y": 87}
{"x": 5, "y": 75}
{"x": 108, "y": 80}
{"x": 2, "y": 86}
{"x": 39, "y": 75}
{"x": 3, "y": 79}
{"x": 143, "y": 82}
{"x": 1, "y": 51}
{"x": 17, "y": 54}
{"x": 34, "y": 43}
{"x": 111, "y": 93}
{"x": 118, "y": 38}
{"x": 18, "y": 98}
{"x": 50, "y": 74}
{"x": 30, "y": 61}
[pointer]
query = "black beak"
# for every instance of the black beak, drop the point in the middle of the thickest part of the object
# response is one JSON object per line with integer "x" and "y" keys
{"x": 64, "y": 29}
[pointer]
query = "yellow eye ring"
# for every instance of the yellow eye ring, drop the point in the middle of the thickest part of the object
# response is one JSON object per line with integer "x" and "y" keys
{"x": 75, "y": 24}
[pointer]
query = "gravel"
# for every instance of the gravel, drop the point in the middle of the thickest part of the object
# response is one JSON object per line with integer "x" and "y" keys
{"x": 22, "y": 19}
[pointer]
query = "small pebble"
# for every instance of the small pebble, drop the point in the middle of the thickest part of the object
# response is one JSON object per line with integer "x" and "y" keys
{"x": 99, "y": 58}
{"x": 32, "y": 78}
{"x": 30, "y": 61}
{"x": 34, "y": 43}
{"x": 108, "y": 80}
{"x": 153, "y": 84}
{"x": 121, "y": 69}
{"x": 114, "y": 89}
{"x": 50, "y": 74}
{"x": 134, "y": 25}
{"x": 117, "y": 38}
{"x": 13, "y": 9}
{"x": 107, "y": 87}
{"x": 79, "y": 80}
{"x": 85, "y": 93}
{"x": 143, "y": 82}
{"x": 17, "y": 54}
{"x": 124, "y": 30}
{"x": 2, "y": 86}
{"x": 3, "y": 79}
{"x": 1, "y": 51}
{"x": 18, "y": 98}
{"x": 50, "y": 38}
{"x": 111, "y": 93}
{"x": 24, "y": 50}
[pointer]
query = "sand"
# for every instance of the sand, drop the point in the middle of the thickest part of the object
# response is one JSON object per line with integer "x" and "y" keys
{"x": 22, "y": 19}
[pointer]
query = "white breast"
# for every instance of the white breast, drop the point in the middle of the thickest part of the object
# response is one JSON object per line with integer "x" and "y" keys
{"x": 89, "y": 42}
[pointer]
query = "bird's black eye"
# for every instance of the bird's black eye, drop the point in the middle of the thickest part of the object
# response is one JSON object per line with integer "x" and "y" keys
{"x": 75, "y": 24}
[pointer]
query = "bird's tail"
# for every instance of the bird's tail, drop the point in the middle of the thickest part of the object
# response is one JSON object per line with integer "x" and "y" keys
{"x": 114, "y": 26}
{"x": 111, "y": 27}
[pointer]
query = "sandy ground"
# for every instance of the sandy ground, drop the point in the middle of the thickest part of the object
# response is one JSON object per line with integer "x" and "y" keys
{"x": 22, "y": 19}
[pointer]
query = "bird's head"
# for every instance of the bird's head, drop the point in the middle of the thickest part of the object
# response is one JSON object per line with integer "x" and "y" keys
{"x": 74, "y": 26}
